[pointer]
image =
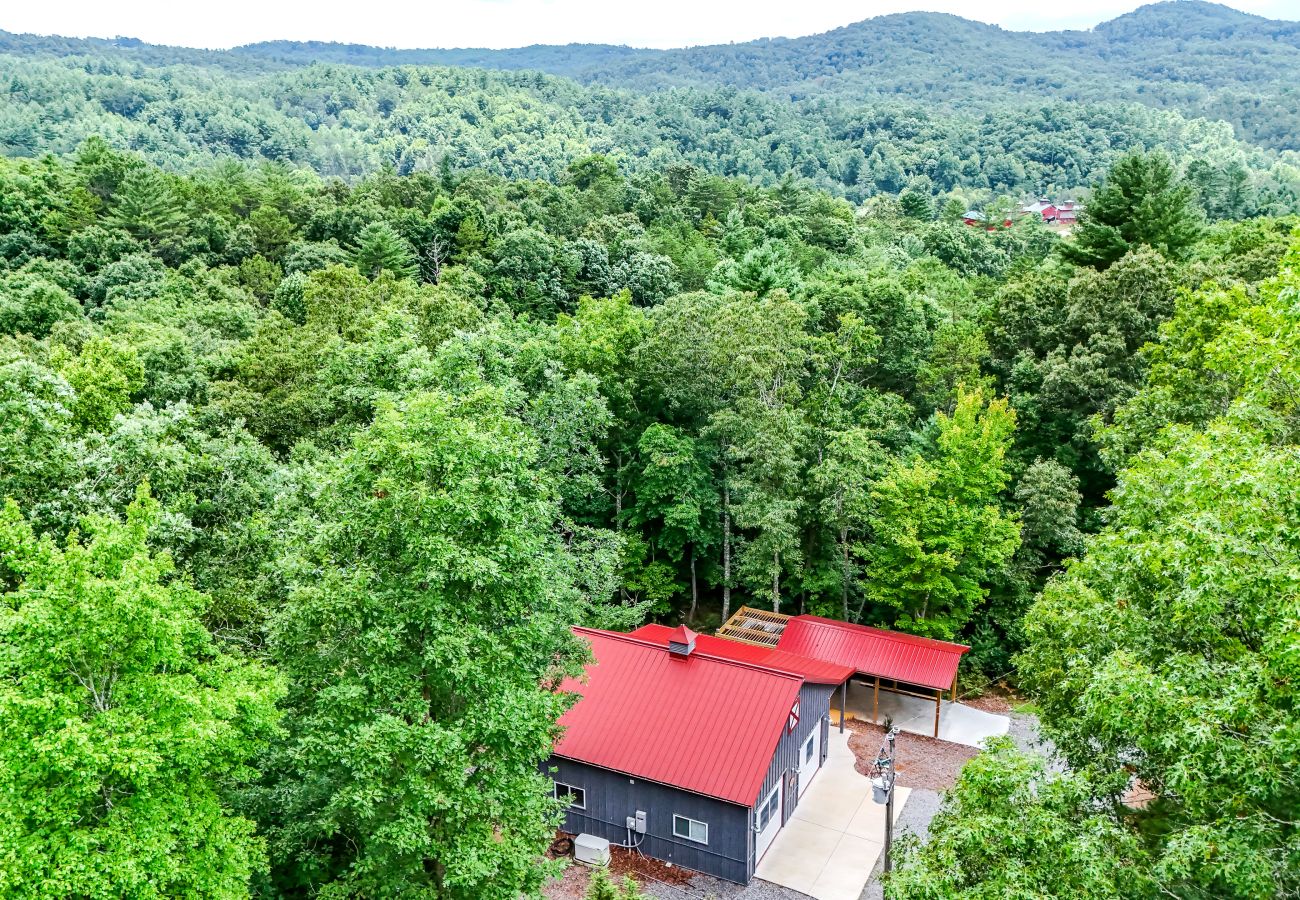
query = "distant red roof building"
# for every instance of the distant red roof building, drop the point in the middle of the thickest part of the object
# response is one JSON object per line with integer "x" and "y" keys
{"x": 816, "y": 671}
{"x": 874, "y": 651}
{"x": 653, "y": 714}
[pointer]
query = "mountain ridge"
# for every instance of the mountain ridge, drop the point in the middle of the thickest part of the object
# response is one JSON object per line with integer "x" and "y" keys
{"x": 1202, "y": 59}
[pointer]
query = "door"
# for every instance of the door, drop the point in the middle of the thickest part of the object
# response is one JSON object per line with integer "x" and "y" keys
{"x": 767, "y": 818}
{"x": 810, "y": 759}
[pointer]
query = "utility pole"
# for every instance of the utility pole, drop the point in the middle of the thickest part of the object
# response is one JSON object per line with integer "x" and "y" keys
{"x": 882, "y": 789}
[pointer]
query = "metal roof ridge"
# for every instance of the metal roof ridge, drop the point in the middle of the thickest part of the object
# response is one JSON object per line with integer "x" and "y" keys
{"x": 698, "y": 654}
{"x": 887, "y": 634}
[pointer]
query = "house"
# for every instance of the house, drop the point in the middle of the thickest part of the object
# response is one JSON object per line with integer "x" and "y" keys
{"x": 693, "y": 750}
{"x": 1041, "y": 207}
{"x": 1065, "y": 212}
{"x": 977, "y": 218}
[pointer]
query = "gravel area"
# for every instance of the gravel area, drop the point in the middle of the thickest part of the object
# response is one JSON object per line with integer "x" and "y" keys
{"x": 923, "y": 762}
{"x": 572, "y": 885}
{"x": 703, "y": 887}
{"x": 915, "y": 819}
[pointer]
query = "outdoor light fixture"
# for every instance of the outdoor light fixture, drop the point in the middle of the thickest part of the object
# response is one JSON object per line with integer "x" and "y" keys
{"x": 882, "y": 787}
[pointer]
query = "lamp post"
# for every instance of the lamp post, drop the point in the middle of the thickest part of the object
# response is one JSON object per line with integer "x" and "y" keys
{"x": 882, "y": 788}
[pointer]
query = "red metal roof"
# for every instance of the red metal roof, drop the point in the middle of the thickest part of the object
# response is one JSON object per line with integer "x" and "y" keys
{"x": 874, "y": 651}
{"x": 700, "y": 723}
{"x": 682, "y": 635}
{"x": 814, "y": 670}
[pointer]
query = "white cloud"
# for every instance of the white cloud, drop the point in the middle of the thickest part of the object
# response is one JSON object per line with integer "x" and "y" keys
{"x": 514, "y": 23}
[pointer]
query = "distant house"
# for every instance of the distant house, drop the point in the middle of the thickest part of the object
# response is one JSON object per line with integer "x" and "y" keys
{"x": 1042, "y": 207}
{"x": 977, "y": 218}
{"x": 1066, "y": 212}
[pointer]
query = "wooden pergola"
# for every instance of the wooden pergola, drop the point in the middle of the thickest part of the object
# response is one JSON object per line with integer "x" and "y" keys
{"x": 885, "y": 657}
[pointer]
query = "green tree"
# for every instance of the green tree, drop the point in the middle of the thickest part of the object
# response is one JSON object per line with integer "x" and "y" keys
{"x": 939, "y": 531}
{"x": 1141, "y": 202}
{"x": 32, "y": 305}
{"x": 103, "y": 377}
{"x": 147, "y": 207}
{"x": 674, "y": 489}
{"x": 1012, "y": 829}
{"x": 382, "y": 249}
{"x": 124, "y": 724}
{"x": 36, "y": 430}
{"x": 426, "y": 627}
{"x": 1166, "y": 654}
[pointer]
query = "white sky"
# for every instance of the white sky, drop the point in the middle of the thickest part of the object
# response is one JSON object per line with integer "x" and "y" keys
{"x": 515, "y": 23}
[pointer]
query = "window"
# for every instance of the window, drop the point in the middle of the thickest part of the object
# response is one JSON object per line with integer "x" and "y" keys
{"x": 809, "y": 747}
{"x": 767, "y": 812}
{"x": 691, "y": 829}
{"x": 576, "y": 796}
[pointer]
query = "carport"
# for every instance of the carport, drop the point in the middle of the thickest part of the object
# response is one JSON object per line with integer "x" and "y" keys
{"x": 891, "y": 662}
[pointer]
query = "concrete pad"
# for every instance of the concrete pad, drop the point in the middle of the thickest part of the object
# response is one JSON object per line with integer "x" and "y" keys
{"x": 869, "y": 822}
{"x": 841, "y": 879}
{"x": 958, "y": 723}
{"x": 828, "y": 847}
{"x": 802, "y": 857}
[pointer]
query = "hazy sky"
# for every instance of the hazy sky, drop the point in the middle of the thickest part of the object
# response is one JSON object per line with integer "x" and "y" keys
{"x": 514, "y": 23}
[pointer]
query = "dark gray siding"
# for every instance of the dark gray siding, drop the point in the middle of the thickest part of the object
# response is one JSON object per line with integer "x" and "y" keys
{"x": 814, "y": 709}
{"x": 612, "y": 797}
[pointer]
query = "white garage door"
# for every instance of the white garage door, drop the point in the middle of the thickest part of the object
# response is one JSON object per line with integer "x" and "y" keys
{"x": 767, "y": 816}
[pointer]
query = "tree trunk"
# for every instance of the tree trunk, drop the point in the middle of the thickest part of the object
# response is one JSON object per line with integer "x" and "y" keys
{"x": 695, "y": 590}
{"x": 726, "y": 552}
{"x": 776, "y": 582}
{"x": 844, "y": 573}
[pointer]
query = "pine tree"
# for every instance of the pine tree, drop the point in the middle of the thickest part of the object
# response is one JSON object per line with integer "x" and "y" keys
{"x": 1141, "y": 202}
{"x": 146, "y": 207}
{"x": 381, "y": 249}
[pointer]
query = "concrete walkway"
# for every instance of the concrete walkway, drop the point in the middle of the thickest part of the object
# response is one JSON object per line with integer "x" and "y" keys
{"x": 829, "y": 847}
{"x": 957, "y": 723}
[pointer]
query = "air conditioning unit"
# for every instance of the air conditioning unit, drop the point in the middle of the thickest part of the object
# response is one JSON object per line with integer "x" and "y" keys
{"x": 592, "y": 850}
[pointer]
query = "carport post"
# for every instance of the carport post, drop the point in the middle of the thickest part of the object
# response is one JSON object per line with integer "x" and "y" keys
{"x": 938, "y": 699}
{"x": 844, "y": 697}
{"x": 875, "y": 702}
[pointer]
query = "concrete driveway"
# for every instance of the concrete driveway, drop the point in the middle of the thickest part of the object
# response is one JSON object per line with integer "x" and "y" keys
{"x": 829, "y": 847}
{"x": 958, "y": 723}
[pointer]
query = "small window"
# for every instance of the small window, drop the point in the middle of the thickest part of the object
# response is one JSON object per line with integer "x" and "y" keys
{"x": 691, "y": 829}
{"x": 767, "y": 812}
{"x": 576, "y": 796}
{"x": 809, "y": 747}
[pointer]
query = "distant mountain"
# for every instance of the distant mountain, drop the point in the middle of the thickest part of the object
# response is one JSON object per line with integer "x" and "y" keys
{"x": 1202, "y": 58}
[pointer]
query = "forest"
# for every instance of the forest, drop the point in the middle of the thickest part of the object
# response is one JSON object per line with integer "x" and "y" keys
{"x": 332, "y": 397}
{"x": 184, "y": 108}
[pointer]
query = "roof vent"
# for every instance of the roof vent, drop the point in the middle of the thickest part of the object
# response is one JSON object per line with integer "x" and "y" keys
{"x": 681, "y": 643}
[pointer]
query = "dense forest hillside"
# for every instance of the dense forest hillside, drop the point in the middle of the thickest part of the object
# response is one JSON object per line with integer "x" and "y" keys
{"x": 1202, "y": 59}
{"x": 182, "y": 108}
